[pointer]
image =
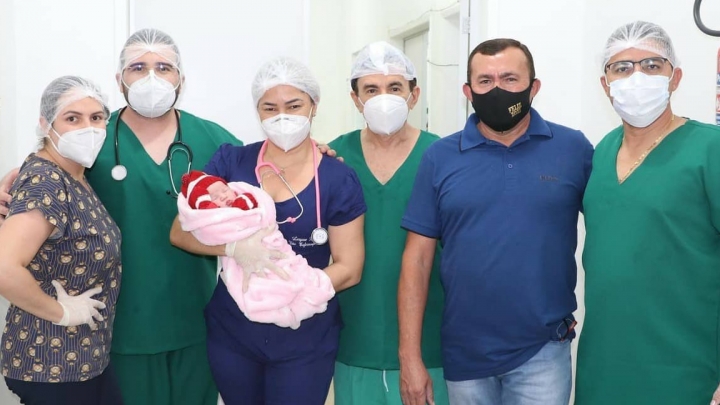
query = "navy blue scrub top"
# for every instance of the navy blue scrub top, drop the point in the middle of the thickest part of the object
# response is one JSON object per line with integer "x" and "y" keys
{"x": 341, "y": 201}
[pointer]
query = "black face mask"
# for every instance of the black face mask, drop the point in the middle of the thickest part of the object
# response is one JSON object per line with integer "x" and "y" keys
{"x": 500, "y": 109}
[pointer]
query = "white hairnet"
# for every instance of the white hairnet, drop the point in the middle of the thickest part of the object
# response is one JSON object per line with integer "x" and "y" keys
{"x": 285, "y": 71}
{"x": 382, "y": 58}
{"x": 149, "y": 40}
{"x": 64, "y": 91}
{"x": 640, "y": 35}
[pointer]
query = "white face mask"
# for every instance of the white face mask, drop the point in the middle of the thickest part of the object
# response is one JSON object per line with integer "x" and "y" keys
{"x": 385, "y": 114}
{"x": 81, "y": 145}
{"x": 640, "y": 99}
{"x": 287, "y": 131}
{"x": 151, "y": 96}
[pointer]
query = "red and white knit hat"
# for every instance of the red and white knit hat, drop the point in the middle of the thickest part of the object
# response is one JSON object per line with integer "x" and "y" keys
{"x": 245, "y": 201}
{"x": 195, "y": 187}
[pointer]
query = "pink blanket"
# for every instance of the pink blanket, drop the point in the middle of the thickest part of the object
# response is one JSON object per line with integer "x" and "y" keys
{"x": 268, "y": 300}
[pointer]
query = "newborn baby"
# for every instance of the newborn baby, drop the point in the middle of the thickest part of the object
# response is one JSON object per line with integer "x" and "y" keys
{"x": 208, "y": 207}
{"x": 204, "y": 191}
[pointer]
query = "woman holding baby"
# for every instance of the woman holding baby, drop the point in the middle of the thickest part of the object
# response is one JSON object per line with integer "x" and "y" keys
{"x": 319, "y": 211}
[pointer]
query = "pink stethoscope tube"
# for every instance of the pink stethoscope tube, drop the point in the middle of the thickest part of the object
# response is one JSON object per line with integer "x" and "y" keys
{"x": 261, "y": 163}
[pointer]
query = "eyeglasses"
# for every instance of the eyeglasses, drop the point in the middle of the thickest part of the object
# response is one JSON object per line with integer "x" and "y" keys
{"x": 625, "y": 68}
{"x": 142, "y": 69}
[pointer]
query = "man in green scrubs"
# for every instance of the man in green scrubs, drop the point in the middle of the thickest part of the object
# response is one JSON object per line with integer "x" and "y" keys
{"x": 158, "y": 347}
{"x": 385, "y": 155}
{"x": 652, "y": 251}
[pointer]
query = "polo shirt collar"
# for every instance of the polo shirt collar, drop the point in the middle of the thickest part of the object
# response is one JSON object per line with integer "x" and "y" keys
{"x": 471, "y": 136}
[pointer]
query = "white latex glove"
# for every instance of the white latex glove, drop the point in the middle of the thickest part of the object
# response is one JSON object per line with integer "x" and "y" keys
{"x": 254, "y": 257}
{"x": 79, "y": 309}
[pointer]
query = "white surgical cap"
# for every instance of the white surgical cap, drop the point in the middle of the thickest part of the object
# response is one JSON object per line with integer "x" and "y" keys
{"x": 640, "y": 35}
{"x": 285, "y": 71}
{"x": 64, "y": 91}
{"x": 149, "y": 40}
{"x": 382, "y": 58}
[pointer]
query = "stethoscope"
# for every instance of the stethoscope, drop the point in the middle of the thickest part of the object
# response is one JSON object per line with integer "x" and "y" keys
{"x": 699, "y": 23}
{"x": 319, "y": 235}
{"x": 119, "y": 171}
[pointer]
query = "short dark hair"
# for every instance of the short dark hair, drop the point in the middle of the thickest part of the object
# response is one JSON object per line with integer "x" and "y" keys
{"x": 354, "y": 85}
{"x": 494, "y": 47}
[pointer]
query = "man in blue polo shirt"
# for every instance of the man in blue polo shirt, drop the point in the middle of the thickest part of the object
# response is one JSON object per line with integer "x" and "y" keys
{"x": 502, "y": 196}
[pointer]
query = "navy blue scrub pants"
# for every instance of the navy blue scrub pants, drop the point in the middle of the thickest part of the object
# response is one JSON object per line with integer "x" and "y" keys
{"x": 263, "y": 364}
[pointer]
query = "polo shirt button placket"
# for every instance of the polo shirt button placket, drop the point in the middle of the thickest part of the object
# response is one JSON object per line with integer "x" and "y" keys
{"x": 508, "y": 151}
{"x": 511, "y": 181}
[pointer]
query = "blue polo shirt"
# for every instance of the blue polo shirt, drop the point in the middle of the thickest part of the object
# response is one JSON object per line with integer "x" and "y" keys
{"x": 506, "y": 218}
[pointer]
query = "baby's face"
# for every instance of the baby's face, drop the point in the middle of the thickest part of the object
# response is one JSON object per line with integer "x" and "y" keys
{"x": 221, "y": 194}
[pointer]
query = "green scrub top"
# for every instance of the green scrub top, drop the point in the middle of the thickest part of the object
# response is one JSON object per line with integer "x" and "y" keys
{"x": 370, "y": 314}
{"x": 652, "y": 274}
{"x": 165, "y": 289}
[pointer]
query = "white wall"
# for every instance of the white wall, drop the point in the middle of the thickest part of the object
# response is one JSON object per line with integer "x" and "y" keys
{"x": 8, "y": 68}
{"x": 447, "y": 104}
{"x": 45, "y": 41}
{"x": 330, "y": 64}
{"x": 223, "y": 49}
{"x": 42, "y": 40}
